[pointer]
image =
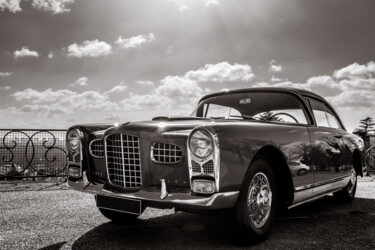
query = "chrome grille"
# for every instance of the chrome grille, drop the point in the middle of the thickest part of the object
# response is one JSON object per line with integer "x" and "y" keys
{"x": 166, "y": 153}
{"x": 208, "y": 167}
{"x": 97, "y": 148}
{"x": 195, "y": 167}
{"x": 123, "y": 160}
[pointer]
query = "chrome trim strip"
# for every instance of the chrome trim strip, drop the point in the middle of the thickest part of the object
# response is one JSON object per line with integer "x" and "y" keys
{"x": 321, "y": 183}
{"x": 91, "y": 153}
{"x": 313, "y": 198}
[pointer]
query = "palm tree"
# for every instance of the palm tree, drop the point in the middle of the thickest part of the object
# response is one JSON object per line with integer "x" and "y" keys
{"x": 267, "y": 116}
{"x": 365, "y": 125}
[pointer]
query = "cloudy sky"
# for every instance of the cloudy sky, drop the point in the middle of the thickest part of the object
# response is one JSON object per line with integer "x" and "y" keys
{"x": 64, "y": 62}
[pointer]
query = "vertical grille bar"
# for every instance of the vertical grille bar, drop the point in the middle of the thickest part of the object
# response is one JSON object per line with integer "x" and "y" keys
{"x": 124, "y": 160}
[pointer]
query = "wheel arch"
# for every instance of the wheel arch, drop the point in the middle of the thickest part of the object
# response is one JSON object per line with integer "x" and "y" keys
{"x": 280, "y": 168}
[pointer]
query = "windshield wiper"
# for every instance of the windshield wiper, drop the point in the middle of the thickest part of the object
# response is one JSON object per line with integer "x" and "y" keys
{"x": 244, "y": 116}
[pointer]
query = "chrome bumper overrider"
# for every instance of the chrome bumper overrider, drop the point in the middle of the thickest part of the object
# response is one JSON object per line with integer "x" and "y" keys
{"x": 181, "y": 200}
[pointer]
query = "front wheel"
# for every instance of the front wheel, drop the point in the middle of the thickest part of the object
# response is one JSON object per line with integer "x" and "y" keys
{"x": 346, "y": 195}
{"x": 256, "y": 206}
{"x": 119, "y": 218}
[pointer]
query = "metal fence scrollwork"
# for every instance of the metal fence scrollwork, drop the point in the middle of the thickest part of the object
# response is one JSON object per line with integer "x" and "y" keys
{"x": 32, "y": 154}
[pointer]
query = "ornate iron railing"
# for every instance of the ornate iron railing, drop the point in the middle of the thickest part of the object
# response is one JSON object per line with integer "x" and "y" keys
{"x": 33, "y": 154}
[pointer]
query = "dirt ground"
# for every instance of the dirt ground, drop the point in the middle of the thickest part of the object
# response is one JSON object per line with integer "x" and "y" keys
{"x": 34, "y": 216}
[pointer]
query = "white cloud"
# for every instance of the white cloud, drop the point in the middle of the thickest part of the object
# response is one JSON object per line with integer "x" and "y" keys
{"x": 51, "y": 55}
{"x": 135, "y": 41}
{"x": 320, "y": 84}
{"x": 277, "y": 79}
{"x": 185, "y": 89}
{"x": 65, "y": 101}
{"x": 356, "y": 71}
{"x": 275, "y": 67}
{"x": 182, "y": 7}
{"x": 117, "y": 92}
{"x": 180, "y": 4}
{"x": 12, "y": 5}
{"x": 145, "y": 83}
{"x": 81, "y": 82}
{"x": 147, "y": 102}
{"x": 210, "y": 3}
{"x": 54, "y": 6}
{"x": 47, "y": 95}
{"x": 5, "y": 88}
{"x": 25, "y": 52}
{"x": 350, "y": 90}
{"x": 114, "y": 117}
{"x": 353, "y": 99}
{"x": 221, "y": 72}
{"x": 176, "y": 87}
{"x": 94, "y": 48}
{"x": 5, "y": 74}
{"x": 38, "y": 108}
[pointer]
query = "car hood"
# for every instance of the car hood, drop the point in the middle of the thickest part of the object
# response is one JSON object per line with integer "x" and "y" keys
{"x": 170, "y": 125}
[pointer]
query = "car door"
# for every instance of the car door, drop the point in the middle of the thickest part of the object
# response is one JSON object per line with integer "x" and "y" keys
{"x": 327, "y": 148}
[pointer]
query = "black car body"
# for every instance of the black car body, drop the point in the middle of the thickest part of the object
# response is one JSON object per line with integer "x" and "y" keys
{"x": 248, "y": 150}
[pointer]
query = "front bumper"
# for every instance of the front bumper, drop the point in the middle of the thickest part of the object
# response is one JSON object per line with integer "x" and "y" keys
{"x": 152, "y": 198}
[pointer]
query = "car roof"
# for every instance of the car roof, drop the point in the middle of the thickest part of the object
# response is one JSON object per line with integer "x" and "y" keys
{"x": 297, "y": 91}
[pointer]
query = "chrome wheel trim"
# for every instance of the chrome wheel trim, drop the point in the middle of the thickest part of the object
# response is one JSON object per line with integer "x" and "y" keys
{"x": 353, "y": 181}
{"x": 259, "y": 200}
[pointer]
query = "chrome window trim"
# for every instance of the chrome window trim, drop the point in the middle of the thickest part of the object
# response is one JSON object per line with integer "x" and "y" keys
{"x": 160, "y": 162}
{"x": 91, "y": 151}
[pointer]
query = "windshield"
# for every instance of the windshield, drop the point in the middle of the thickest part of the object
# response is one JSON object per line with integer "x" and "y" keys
{"x": 262, "y": 106}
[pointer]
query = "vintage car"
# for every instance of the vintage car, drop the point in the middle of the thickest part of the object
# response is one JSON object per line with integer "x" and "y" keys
{"x": 249, "y": 151}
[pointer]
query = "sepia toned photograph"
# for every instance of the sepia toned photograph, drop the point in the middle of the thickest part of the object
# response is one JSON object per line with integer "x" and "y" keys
{"x": 187, "y": 124}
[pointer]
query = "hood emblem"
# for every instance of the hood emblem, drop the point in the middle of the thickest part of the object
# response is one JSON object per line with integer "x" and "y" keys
{"x": 245, "y": 101}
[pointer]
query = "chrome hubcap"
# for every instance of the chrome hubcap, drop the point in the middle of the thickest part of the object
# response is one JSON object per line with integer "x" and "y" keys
{"x": 353, "y": 181}
{"x": 259, "y": 200}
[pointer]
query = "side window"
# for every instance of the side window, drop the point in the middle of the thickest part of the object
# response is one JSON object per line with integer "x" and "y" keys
{"x": 318, "y": 109}
{"x": 321, "y": 118}
{"x": 324, "y": 117}
{"x": 285, "y": 115}
{"x": 333, "y": 122}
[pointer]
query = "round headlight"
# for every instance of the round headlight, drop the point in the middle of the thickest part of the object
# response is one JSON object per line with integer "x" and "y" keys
{"x": 73, "y": 140}
{"x": 201, "y": 143}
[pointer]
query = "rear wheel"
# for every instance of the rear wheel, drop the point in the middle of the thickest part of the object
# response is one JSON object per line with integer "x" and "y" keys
{"x": 119, "y": 218}
{"x": 257, "y": 203}
{"x": 346, "y": 195}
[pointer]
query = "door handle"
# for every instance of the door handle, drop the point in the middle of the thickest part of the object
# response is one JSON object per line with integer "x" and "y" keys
{"x": 338, "y": 136}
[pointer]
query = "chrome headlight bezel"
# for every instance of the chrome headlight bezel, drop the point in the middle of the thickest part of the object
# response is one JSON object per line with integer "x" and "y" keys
{"x": 213, "y": 156}
{"x": 73, "y": 140}
{"x": 201, "y": 139}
